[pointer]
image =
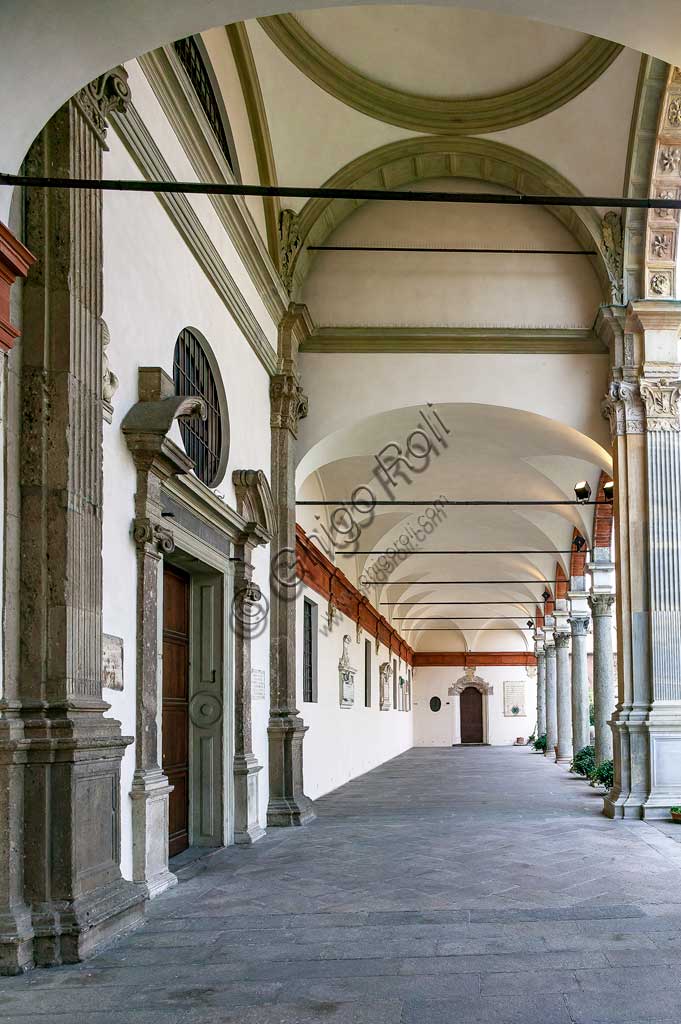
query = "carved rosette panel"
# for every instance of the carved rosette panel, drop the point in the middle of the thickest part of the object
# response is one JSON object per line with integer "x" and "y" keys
{"x": 287, "y": 401}
{"x": 99, "y": 98}
{"x": 663, "y": 225}
{"x": 623, "y": 408}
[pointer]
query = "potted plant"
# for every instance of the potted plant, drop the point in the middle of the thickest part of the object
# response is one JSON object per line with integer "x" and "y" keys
{"x": 584, "y": 762}
{"x": 540, "y": 744}
{"x": 603, "y": 775}
{"x": 676, "y": 813}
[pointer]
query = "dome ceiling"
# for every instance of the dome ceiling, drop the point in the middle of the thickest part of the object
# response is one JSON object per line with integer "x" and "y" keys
{"x": 439, "y": 69}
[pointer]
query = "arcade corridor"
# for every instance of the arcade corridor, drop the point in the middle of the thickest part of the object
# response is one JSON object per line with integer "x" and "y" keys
{"x": 448, "y": 885}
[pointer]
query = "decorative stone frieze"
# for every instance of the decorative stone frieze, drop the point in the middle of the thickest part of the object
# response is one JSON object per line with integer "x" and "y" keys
{"x": 98, "y": 99}
{"x": 289, "y": 245}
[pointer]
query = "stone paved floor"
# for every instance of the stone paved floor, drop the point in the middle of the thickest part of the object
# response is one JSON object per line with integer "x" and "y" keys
{"x": 448, "y": 885}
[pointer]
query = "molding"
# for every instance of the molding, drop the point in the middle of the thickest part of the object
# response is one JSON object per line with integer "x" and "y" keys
{"x": 558, "y": 341}
{"x": 141, "y": 146}
{"x": 319, "y": 574}
{"x": 171, "y": 87}
{"x": 662, "y": 228}
{"x": 449, "y": 115}
{"x": 439, "y": 156}
{"x": 260, "y": 131}
{"x": 469, "y": 659}
{"x": 650, "y": 89}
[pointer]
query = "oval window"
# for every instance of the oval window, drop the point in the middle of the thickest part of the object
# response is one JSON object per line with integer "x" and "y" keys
{"x": 435, "y": 703}
{"x": 195, "y": 372}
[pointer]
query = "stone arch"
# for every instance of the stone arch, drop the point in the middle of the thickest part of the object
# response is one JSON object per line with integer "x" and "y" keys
{"x": 603, "y": 517}
{"x": 439, "y": 156}
{"x": 470, "y": 679}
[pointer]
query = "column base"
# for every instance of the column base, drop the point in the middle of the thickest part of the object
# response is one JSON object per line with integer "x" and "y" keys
{"x": 16, "y": 941}
{"x": 564, "y": 759}
{"x": 68, "y": 932}
{"x": 288, "y": 804}
{"x": 247, "y": 828}
{"x": 150, "y": 795}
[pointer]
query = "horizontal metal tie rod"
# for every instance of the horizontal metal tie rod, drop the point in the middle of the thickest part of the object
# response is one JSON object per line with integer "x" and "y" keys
{"x": 437, "y": 501}
{"x": 471, "y": 583}
{"x": 459, "y": 604}
{"x": 470, "y": 629}
{"x": 402, "y": 551}
{"x": 451, "y": 249}
{"x": 377, "y": 194}
{"x": 459, "y": 618}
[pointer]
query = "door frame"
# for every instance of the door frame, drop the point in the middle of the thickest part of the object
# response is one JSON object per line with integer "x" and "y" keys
{"x": 455, "y": 691}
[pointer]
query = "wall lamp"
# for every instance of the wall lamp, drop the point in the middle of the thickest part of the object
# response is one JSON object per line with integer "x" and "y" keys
{"x": 530, "y": 624}
{"x": 609, "y": 491}
{"x": 582, "y": 491}
{"x": 546, "y": 595}
{"x": 579, "y": 543}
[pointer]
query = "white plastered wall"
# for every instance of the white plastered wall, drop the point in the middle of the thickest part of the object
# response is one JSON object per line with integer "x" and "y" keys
{"x": 152, "y": 289}
{"x": 438, "y": 728}
{"x": 342, "y": 743}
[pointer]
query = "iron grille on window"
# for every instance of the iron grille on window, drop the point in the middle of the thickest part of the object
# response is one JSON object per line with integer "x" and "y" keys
{"x": 197, "y": 72}
{"x": 202, "y": 439}
{"x": 308, "y": 653}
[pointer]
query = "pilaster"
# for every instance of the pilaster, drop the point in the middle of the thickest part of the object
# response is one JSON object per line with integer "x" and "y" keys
{"x": 288, "y": 804}
{"x": 643, "y": 408}
{"x": 145, "y": 428}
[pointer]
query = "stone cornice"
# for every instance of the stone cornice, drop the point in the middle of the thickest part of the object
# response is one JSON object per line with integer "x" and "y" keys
{"x": 178, "y": 101}
{"x": 319, "y": 574}
{"x": 260, "y": 132}
{"x": 141, "y": 146}
{"x": 440, "y": 114}
{"x": 515, "y": 340}
{"x": 15, "y": 261}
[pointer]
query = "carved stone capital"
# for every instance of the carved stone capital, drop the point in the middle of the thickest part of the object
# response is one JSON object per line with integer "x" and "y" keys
{"x": 661, "y": 399}
{"x": 601, "y": 604}
{"x": 579, "y": 624}
{"x": 623, "y": 408}
{"x": 561, "y": 640}
{"x": 146, "y": 531}
{"x": 613, "y": 254}
{"x": 106, "y": 93}
{"x": 288, "y": 402}
{"x": 289, "y": 245}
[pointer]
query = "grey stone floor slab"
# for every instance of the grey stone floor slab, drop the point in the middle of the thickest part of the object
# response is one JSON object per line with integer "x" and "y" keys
{"x": 448, "y": 886}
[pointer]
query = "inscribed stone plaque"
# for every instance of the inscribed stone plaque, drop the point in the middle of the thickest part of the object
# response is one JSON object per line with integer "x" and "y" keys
{"x": 258, "y": 684}
{"x": 112, "y": 662}
{"x": 514, "y": 699}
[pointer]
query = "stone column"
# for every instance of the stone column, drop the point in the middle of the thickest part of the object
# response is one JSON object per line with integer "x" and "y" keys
{"x": 145, "y": 428}
{"x": 551, "y": 696}
{"x": 579, "y": 624}
{"x": 541, "y": 685}
{"x": 642, "y": 405}
{"x": 601, "y": 605}
{"x": 288, "y": 804}
{"x": 563, "y": 687}
{"x": 73, "y": 750}
{"x": 254, "y": 503}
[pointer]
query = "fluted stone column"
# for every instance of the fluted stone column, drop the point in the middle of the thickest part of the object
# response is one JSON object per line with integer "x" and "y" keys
{"x": 551, "y": 697}
{"x": 579, "y": 625}
{"x": 288, "y": 804}
{"x": 563, "y": 694}
{"x": 73, "y": 749}
{"x": 541, "y": 687}
{"x": 642, "y": 406}
{"x": 604, "y": 673}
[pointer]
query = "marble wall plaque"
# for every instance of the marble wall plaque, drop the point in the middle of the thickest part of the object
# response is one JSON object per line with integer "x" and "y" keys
{"x": 514, "y": 699}
{"x": 258, "y": 691}
{"x": 112, "y": 662}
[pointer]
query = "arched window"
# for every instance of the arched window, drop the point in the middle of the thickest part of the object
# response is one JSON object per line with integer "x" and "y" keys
{"x": 195, "y": 372}
{"x": 199, "y": 72}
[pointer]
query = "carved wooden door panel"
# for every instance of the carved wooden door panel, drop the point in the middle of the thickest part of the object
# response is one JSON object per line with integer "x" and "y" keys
{"x": 471, "y": 715}
{"x": 176, "y": 703}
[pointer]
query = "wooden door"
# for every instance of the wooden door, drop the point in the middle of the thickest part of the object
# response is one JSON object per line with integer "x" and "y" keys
{"x": 176, "y": 703}
{"x": 471, "y": 715}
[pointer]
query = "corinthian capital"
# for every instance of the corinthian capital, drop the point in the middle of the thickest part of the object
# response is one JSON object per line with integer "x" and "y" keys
{"x": 288, "y": 402}
{"x": 623, "y": 408}
{"x": 661, "y": 399}
{"x": 601, "y": 604}
{"x": 103, "y": 95}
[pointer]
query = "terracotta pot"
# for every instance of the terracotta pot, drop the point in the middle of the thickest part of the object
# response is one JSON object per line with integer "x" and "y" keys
{"x": 676, "y": 816}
